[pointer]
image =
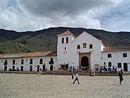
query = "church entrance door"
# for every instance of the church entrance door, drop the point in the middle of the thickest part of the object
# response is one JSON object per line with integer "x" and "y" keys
{"x": 85, "y": 63}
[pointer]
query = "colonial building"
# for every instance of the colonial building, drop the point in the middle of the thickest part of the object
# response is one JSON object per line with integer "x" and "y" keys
{"x": 33, "y": 61}
{"x": 88, "y": 52}
{"x": 83, "y": 52}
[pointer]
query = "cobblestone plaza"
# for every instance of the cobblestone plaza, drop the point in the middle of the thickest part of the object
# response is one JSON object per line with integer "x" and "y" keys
{"x": 57, "y": 86}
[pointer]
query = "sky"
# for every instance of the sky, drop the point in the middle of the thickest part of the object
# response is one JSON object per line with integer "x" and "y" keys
{"x": 32, "y": 15}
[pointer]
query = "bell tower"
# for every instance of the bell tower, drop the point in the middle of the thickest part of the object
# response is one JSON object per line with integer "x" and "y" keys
{"x": 63, "y": 44}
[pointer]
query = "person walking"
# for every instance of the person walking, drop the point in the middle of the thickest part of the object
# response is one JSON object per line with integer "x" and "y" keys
{"x": 76, "y": 78}
{"x": 120, "y": 74}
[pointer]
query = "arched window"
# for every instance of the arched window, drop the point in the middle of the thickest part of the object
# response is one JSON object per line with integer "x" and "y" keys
{"x": 90, "y": 46}
{"x": 62, "y": 40}
{"x": 13, "y": 62}
{"x": 41, "y": 61}
{"x": 109, "y": 64}
{"x": 22, "y": 61}
{"x": 66, "y": 39}
{"x": 51, "y": 61}
{"x": 31, "y": 61}
{"x": 78, "y": 46}
{"x": 5, "y": 63}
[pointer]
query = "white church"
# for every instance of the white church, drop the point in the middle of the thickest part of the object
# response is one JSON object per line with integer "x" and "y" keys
{"x": 82, "y": 52}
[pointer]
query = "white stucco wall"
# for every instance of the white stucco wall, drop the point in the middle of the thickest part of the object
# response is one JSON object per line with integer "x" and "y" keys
{"x": 46, "y": 61}
{"x": 95, "y": 52}
{"x": 63, "y": 49}
{"x": 117, "y": 57}
{"x": 71, "y": 54}
{"x": 26, "y": 65}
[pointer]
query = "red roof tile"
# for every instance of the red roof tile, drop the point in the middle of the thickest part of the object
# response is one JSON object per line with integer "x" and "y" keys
{"x": 29, "y": 54}
{"x": 66, "y": 33}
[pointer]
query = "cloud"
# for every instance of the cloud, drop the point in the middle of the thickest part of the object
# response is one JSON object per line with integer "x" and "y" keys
{"x": 74, "y": 13}
{"x": 48, "y": 8}
{"x": 117, "y": 19}
{"x": 12, "y": 17}
{"x": 26, "y": 15}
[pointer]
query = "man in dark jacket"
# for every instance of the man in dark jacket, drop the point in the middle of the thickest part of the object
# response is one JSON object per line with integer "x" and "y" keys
{"x": 120, "y": 74}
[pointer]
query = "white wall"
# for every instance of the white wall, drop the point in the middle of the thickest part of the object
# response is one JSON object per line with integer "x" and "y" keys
{"x": 117, "y": 57}
{"x": 95, "y": 52}
{"x": 26, "y": 65}
{"x": 55, "y": 65}
{"x": 70, "y": 55}
{"x": 63, "y": 49}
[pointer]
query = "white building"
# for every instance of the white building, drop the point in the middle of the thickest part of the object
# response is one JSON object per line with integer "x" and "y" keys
{"x": 33, "y": 61}
{"x": 88, "y": 52}
{"x": 82, "y": 52}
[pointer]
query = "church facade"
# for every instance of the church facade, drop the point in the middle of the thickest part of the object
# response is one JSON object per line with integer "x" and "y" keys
{"x": 88, "y": 52}
{"x": 82, "y": 52}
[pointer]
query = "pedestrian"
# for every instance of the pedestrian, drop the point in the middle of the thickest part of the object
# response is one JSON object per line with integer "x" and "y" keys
{"x": 76, "y": 78}
{"x": 120, "y": 74}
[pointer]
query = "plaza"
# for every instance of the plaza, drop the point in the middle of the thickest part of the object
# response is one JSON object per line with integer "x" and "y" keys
{"x": 60, "y": 86}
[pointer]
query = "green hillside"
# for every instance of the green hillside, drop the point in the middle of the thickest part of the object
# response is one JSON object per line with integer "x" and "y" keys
{"x": 46, "y": 39}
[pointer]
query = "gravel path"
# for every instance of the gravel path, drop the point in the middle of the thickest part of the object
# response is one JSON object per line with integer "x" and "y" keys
{"x": 52, "y": 86}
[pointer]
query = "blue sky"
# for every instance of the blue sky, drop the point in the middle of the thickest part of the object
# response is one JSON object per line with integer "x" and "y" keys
{"x": 31, "y": 15}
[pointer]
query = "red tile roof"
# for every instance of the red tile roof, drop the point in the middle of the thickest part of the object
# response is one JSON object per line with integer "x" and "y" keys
{"x": 53, "y": 53}
{"x": 115, "y": 49}
{"x": 29, "y": 54}
{"x": 66, "y": 33}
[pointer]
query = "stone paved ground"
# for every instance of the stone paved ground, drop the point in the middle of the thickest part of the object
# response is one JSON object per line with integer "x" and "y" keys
{"x": 46, "y": 86}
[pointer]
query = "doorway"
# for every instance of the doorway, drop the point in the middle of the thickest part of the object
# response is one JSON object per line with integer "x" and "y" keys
{"x": 5, "y": 68}
{"x": 85, "y": 63}
{"x": 51, "y": 67}
{"x": 31, "y": 69}
{"x": 125, "y": 67}
{"x": 38, "y": 68}
{"x": 43, "y": 67}
{"x": 13, "y": 68}
{"x": 21, "y": 68}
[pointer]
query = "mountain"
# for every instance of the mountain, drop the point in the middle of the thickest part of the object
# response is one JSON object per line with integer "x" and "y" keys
{"x": 46, "y": 39}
